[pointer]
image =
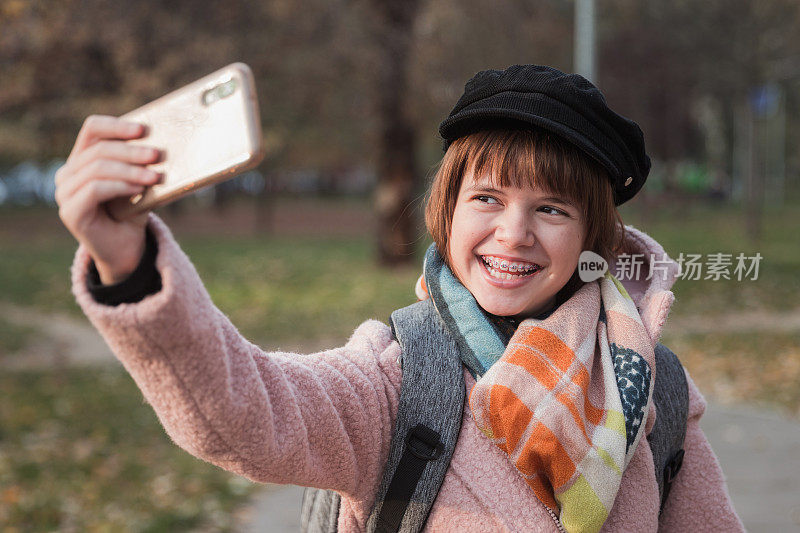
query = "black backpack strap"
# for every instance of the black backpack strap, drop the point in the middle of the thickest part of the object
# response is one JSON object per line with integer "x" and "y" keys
{"x": 671, "y": 398}
{"x": 428, "y": 421}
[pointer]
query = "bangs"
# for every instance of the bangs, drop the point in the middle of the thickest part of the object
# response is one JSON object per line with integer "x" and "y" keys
{"x": 526, "y": 158}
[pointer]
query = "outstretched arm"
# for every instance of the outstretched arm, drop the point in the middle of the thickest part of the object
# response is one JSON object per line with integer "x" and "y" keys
{"x": 321, "y": 420}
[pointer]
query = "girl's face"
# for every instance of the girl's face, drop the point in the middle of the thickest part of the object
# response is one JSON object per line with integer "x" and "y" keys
{"x": 513, "y": 248}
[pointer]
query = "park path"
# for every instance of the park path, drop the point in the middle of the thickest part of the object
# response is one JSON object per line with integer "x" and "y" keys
{"x": 60, "y": 339}
{"x": 759, "y": 450}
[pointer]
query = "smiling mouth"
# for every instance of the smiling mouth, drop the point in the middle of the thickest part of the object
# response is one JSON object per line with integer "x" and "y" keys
{"x": 503, "y": 269}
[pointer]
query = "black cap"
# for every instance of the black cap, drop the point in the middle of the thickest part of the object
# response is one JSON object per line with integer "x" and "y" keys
{"x": 567, "y": 105}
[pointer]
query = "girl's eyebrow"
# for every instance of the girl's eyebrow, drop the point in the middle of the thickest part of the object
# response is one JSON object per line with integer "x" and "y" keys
{"x": 556, "y": 199}
{"x": 483, "y": 188}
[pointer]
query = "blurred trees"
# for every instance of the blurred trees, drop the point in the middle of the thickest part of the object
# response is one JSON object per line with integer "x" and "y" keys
{"x": 686, "y": 71}
{"x": 303, "y": 54}
{"x": 391, "y": 24}
{"x": 330, "y": 72}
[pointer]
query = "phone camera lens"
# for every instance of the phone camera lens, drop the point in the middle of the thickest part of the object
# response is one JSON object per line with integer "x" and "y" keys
{"x": 227, "y": 88}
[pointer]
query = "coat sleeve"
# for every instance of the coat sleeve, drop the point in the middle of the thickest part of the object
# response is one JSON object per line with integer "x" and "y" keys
{"x": 699, "y": 499}
{"x": 321, "y": 420}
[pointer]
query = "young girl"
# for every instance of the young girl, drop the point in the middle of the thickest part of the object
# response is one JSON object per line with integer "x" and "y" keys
{"x": 559, "y": 372}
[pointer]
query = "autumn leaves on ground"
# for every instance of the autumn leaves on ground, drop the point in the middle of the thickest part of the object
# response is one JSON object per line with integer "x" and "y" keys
{"x": 81, "y": 451}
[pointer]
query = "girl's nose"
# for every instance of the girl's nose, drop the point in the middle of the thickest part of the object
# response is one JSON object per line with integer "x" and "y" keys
{"x": 514, "y": 229}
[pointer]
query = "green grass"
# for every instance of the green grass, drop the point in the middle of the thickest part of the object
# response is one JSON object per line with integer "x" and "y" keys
{"x": 274, "y": 289}
{"x": 704, "y": 229}
{"x": 80, "y": 451}
{"x": 744, "y": 367}
{"x": 13, "y": 337}
{"x": 278, "y": 290}
{"x": 37, "y": 274}
{"x": 269, "y": 285}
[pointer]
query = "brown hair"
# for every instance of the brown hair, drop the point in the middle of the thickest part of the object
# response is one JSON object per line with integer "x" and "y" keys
{"x": 531, "y": 158}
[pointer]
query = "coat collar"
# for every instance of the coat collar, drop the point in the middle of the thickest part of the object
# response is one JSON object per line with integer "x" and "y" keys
{"x": 653, "y": 297}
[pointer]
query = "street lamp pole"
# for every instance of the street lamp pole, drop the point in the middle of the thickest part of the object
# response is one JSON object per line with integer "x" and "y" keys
{"x": 584, "y": 60}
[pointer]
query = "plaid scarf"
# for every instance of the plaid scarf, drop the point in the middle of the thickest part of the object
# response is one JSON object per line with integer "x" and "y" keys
{"x": 566, "y": 396}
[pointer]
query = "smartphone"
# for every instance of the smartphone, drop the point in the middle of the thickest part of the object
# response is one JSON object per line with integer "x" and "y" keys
{"x": 208, "y": 131}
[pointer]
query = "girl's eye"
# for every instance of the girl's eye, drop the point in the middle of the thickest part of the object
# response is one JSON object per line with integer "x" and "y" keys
{"x": 486, "y": 199}
{"x": 552, "y": 210}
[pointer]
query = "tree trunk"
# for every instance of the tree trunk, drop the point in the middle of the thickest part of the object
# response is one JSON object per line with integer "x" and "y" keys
{"x": 396, "y": 150}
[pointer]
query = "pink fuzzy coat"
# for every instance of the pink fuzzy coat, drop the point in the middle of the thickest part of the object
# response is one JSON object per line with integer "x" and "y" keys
{"x": 325, "y": 419}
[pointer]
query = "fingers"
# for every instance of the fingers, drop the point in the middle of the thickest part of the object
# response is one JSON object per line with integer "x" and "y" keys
{"x": 103, "y": 166}
{"x": 105, "y": 170}
{"x": 86, "y": 199}
{"x": 98, "y": 192}
{"x": 114, "y": 150}
{"x": 97, "y": 127}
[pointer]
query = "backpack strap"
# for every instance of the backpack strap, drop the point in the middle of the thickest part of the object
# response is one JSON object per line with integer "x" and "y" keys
{"x": 425, "y": 432}
{"x": 319, "y": 512}
{"x": 428, "y": 421}
{"x": 671, "y": 398}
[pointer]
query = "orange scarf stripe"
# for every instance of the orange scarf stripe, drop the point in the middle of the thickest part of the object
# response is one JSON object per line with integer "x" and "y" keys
{"x": 543, "y": 443}
{"x": 595, "y": 415}
{"x": 533, "y": 361}
{"x": 541, "y": 372}
{"x": 547, "y": 344}
{"x": 537, "y": 350}
{"x": 506, "y": 414}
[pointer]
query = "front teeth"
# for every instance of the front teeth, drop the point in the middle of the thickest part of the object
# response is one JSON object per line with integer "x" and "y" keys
{"x": 504, "y": 269}
{"x": 502, "y": 275}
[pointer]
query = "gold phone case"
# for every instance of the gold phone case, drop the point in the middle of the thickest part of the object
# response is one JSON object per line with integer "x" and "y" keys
{"x": 209, "y": 132}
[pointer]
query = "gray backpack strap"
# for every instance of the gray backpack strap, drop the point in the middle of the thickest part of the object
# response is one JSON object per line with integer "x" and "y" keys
{"x": 428, "y": 421}
{"x": 671, "y": 398}
{"x": 320, "y": 511}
